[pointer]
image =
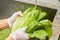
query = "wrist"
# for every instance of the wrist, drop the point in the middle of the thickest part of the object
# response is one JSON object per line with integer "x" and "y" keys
{"x": 9, "y": 38}
{"x": 10, "y": 23}
{"x": 13, "y": 36}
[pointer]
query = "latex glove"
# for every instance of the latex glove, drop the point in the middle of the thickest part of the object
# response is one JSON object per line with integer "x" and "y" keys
{"x": 20, "y": 34}
{"x": 13, "y": 18}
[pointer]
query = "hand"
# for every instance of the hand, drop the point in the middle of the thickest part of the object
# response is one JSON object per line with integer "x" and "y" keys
{"x": 13, "y": 18}
{"x": 20, "y": 34}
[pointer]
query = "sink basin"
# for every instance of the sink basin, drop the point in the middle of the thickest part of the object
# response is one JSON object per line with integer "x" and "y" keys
{"x": 8, "y": 7}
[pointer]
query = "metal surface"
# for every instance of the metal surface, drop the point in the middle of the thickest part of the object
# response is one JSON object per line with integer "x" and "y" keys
{"x": 8, "y": 7}
{"x": 46, "y": 3}
{"x": 56, "y": 25}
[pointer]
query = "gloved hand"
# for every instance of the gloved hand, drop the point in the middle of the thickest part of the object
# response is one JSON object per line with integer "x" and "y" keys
{"x": 20, "y": 34}
{"x": 13, "y": 18}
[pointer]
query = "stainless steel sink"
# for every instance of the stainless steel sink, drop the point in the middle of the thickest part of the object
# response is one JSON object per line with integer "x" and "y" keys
{"x": 8, "y": 7}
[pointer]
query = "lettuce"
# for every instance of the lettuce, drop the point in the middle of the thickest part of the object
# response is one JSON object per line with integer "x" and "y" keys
{"x": 34, "y": 20}
{"x": 40, "y": 34}
{"x": 4, "y": 33}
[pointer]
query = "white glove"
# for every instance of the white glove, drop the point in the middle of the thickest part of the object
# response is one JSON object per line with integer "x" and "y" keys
{"x": 20, "y": 34}
{"x": 13, "y": 18}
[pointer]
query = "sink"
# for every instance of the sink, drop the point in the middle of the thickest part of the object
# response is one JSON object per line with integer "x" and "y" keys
{"x": 8, "y": 7}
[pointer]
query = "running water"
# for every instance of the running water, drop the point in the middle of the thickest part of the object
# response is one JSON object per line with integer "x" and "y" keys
{"x": 36, "y": 3}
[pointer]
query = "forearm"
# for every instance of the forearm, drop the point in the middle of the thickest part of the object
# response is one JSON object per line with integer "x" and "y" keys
{"x": 3, "y": 24}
